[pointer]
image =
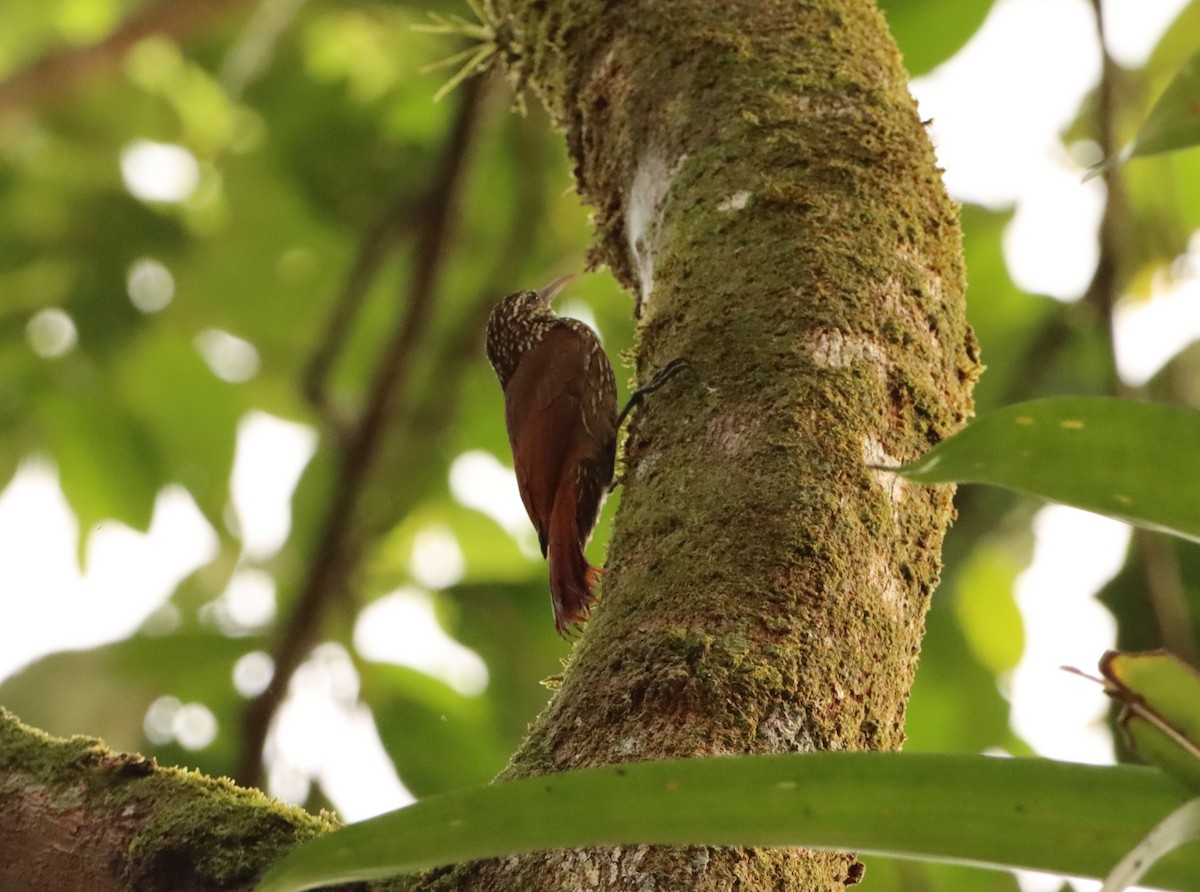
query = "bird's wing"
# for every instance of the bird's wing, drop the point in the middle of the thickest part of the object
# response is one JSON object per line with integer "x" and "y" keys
{"x": 542, "y": 410}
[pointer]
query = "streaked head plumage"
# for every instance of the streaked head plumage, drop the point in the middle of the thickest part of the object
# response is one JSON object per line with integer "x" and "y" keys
{"x": 517, "y": 323}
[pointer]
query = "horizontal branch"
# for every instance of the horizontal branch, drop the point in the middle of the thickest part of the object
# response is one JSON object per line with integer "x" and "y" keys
{"x": 75, "y": 815}
{"x": 62, "y": 72}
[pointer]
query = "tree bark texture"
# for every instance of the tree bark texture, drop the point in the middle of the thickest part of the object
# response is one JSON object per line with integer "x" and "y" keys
{"x": 763, "y": 184}
{"x": 77, "y": 817}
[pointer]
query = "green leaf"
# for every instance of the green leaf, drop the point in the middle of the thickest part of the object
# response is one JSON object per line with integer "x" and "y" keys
{"x": 439, "y": 739}
{"x": 490, "y": 553}
{"x": 191, "y": 415}
{"x": 106, "y": 691}
{"x": 1028, "y": 813}
{"x": 1160, "y": 709}
{"x": 1174, "y": 122}
{"x": 108, "y": 467}
{"x": 1132, "y": 461}
{"x": 987, "y": 611}
{"x": 1178, "y": 828}
{"x": 931, "y": 31}
{"x": 1177, "y": 43}
{"x": 903, "y": 875}
{"x": 952, "y": 676}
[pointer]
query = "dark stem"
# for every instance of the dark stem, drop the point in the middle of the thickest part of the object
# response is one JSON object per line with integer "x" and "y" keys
{"x": 1155, "y": 558}
{"x": 338, "y": 545}
{"x": 64, "y": 71}
{"x": 1167, "y": 593}
{"x": 380, "y": 244}
{"x": 1104, "y": 289}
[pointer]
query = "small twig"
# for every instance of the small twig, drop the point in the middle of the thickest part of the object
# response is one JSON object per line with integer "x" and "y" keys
{"x": 251, "y": 53}
{"x": 376, "y": 248}
{"x": 338, "y": 545}
{"x": 1104, "y": 289}
{"x": 427, "y": 421}
{"x": 64, "y": 71}
{"x": 1164, "y": 585}
{"x": 529, "y": 209}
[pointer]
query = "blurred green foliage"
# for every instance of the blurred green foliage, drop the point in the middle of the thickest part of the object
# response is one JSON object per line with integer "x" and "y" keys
{"x": 316, "y": 145}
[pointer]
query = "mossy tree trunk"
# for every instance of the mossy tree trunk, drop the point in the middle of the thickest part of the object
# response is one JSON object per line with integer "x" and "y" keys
{"x": 763, "y": 185}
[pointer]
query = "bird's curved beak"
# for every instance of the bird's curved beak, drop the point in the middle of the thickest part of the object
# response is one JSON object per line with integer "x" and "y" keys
{"x": 549, "y": 292}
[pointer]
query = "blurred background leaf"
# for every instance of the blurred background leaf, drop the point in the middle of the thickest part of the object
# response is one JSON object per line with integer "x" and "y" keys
{"x": 930, "y": 32}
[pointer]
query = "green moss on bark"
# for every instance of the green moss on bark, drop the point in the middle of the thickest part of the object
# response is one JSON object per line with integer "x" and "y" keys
{"x": 162, "y": 827}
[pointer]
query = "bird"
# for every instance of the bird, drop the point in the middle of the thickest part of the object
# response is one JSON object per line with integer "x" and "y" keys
{"x": 560, "y": 409}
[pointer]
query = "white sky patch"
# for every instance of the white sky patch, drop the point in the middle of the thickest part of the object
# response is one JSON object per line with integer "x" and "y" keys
{"x": 1133, "y": 27}
{"x": 284, "y": 782}
{"x": 478, "y": 480}
{"x": 996, "y": 111}
{"x": 326, "y": 680}
{"x": 168, "y": 719}
{"x": 360, "y": 780}
{"x": 46, "y": 605}
{"x": 1061, "y": 715}
{"x": 581, "y": 310}
{"x": 246, "y": 605}
{"x": 1148, "y": 333}
{"x": 195, "y": 726}
{"x": 997, "y": 116}
{"x": 150, "y": 285}
{"x": 253, "y": 672}
{"x": 159, "y": 722}
{"x": 323, "y": 733}
{"x": 437, "y": 561}
{"x": 402, "y": 628}
{"x": 158, "y": 171}
{"x": 231, "y": 358}
{"x": 271, "y": 455}
{"x": 1051, "y": 246}
{"x": 51, "y": 333}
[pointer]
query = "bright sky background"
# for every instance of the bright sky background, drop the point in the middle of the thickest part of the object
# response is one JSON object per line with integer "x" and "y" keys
{"x": 997, "y": 112}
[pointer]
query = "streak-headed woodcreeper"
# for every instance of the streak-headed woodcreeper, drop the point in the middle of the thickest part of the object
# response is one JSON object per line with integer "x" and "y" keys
{"x": 560, "y": 406}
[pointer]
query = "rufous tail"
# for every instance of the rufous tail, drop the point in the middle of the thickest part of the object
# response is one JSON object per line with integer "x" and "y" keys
{"x": 572, "y": 579}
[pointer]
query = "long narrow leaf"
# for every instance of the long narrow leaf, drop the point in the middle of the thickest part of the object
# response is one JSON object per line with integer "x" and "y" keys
{"x": 1174, "y": 122}
{"x": 1132, "y": 461}
{"x": 1160, "y": 709}
{"x": 1179, "y": 828}
{"x": 1030, "y": 813}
